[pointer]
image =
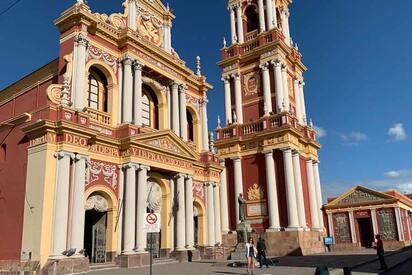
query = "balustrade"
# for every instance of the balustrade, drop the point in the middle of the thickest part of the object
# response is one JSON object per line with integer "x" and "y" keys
{"x": 98, "y": 116}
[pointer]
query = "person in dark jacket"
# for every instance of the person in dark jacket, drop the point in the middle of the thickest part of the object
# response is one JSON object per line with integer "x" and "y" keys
{"x": 380, "y": 252}
{"x": 261, "y": 248}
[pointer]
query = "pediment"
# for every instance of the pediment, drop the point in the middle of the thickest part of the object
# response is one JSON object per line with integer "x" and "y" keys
{"x": 166, "y": 142}
{"x": 359, "y": 195}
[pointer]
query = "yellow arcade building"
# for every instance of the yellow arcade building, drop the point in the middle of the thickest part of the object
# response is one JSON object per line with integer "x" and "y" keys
{"x": 113, "y": 129}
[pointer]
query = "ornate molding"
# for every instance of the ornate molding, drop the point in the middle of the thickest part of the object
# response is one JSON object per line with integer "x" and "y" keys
{"x": 255, "y": 193}
{"x": 96, "y": 53}
{"x": 97, "y": 203}
{"x": 251, "y": 83}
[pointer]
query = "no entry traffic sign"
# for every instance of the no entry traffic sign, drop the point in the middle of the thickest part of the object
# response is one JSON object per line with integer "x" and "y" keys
{"x": 152, "y": 223}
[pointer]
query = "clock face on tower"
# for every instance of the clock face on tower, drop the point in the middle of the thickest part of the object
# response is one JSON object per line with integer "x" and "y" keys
{"x": 150, "y": 29}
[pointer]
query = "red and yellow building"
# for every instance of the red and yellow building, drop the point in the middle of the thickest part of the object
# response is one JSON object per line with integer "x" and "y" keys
{"x": 356, "y": 217}
{"x": 267, "y": 146}
{"x": 114, "y": 128}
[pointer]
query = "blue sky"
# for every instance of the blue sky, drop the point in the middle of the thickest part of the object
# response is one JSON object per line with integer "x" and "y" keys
{"x": 358, "y": 87}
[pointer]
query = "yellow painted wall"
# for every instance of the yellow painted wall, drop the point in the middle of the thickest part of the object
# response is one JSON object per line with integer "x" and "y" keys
{"x": 38, "y": 209}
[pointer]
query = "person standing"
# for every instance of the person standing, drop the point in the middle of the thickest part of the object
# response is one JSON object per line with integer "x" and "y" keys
{"x": 261, "y": 248}
{"x": 251, "y": 253}
{"x": 242, "y": 202}
{"x": 380, "y": 251}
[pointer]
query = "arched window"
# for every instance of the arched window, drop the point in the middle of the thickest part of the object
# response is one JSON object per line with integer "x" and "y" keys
{"x": 97, "y": 96}
{"x": 150, "y": 108}
{"x": 190, "y": 132}
{"x": 252, "y": 18}
{"x": 3, "y": 152}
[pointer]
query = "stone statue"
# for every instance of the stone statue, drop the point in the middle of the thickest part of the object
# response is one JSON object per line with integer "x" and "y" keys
{"x": 242, "y": 204}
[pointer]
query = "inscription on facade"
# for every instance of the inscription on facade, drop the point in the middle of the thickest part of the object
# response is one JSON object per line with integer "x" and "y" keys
{"x": 139, "y": 153}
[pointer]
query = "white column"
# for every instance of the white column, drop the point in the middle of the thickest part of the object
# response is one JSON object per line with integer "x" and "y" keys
{"x": 120, "y": 105}
{"x": 267, "y": 95}
{"x": 127, "y": 90}
{"x": 61, "y": 203}
{"x": 237, "y": 163}
{"x": 331, "y": 227}
{"x": 183, "y": 114}
{"x": 270, "y": 17}
{"x": 130, "y": 209}
{"x": 299, "y": 189}
{"x": 169, "y": 108}
{"x": 81, "y": 44}
{"x": 120, "y": 211}
{"x": 132, "y": 15}
{"x": 399, "y": 224}
{"x": 318, "y": 192}
{"x": 275, "y": 19}
{"x": 228, "y": 100}
{"x": 172, "y": 213}
{"x": 216, "y": 207}
{"x": 205, "y": 129}
{"x": 262, "y": 25}
{"x": 274, "y": 224}
{"x": 232, "y": 25}
{"x": 285, "y": 88}
{"x": 78, "y": 212}
{"x": 239, "y": 21}
{"x": 138, "y": 93}
{"x": 210, "y": 215}
{"x": 312, "y": 195}
{"x": 224, "y": 207}
{"x": 278, "y": 84}
{"x": 298, "y": 104}
{"x": 167, "y": 37}
{"x": 190, "y": 234}
{"x": 287, "y": 30}
{"x": 175, "y": 108}
{"x": 141, "y": 207}
{"x": 238, "y": 98}
{"x": 290, "y": 190}
{"x": 352, "y": 227}
{"x": 302, "y": 102}
{"x": 374, "y": 223}
{"x": 180, "y": 215}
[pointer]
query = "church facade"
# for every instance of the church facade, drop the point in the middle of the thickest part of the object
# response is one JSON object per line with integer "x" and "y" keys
{"x": 113, "y": 129}
{"x": 357, "y": 216}
{"x": 267, "y": 144}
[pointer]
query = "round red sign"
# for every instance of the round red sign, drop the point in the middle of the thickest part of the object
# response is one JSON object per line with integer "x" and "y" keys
{"x": 151, "y": 218}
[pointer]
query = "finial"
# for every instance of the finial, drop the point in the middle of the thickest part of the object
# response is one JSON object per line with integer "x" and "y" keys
{"x": 283, "y": 105}
{"x": 167, "y": 6}
{"x": 198, "y": 66}
{"x": 265, "y": 109}
{"x": 212, "y": 148}
{"x": 311, "y": 123}
{"x": 219, "y": 123}
{"x": 80, "y": 1}
{"x": 296, "y": 46}
{"x": 224, "y": 42}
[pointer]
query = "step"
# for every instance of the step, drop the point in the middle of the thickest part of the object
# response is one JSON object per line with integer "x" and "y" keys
{"x": 161, "y": 261}
{"x": 103, "y": 266}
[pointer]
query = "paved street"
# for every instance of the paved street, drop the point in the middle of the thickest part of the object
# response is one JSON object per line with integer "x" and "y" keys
{"x": 289, "y": 265}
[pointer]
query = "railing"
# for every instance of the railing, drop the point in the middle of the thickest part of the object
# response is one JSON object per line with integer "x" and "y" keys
{"x": 264, "y": 124}
{"x": 253, "y": 41}
{"x": 98, "y": 116}
{"x": 251, "y": 35}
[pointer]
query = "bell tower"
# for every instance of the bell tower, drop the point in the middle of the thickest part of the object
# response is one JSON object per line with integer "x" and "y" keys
{"x": 267, "y": 147}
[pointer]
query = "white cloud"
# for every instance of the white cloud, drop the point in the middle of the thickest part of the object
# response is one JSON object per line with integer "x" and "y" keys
{"x": 397, "y": 132}
{"x": 396, "y": 174}
{"x": 353, "y": 138}
{"x": 320, "y": 132}
{"x": 393, "y": 174}
{"x": 405, "y": 187}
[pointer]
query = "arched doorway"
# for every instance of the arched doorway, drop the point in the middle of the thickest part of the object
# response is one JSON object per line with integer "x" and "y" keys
{"x": 199, "y": 223}
{"x": 95, "y": 229}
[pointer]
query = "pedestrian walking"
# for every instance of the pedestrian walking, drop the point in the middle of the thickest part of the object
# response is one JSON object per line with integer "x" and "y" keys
{"x": 251, "y": 253}
{"x": 261, "y": 248}
{"x": 380, "y": 252}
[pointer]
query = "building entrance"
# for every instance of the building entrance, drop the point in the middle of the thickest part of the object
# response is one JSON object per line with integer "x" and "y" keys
{"x": 95, "y": 236}
{"x": 365, "y": 231}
